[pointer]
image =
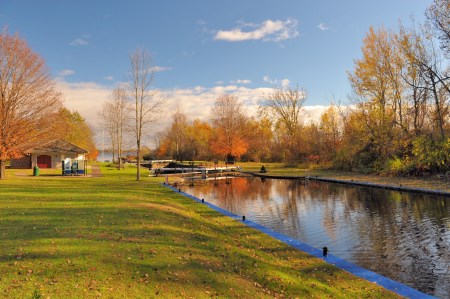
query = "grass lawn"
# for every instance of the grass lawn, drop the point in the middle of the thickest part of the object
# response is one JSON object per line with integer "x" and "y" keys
{"x": 111, "y": 236}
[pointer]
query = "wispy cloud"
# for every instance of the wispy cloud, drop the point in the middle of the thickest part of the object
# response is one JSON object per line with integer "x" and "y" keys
{"x": 323, "y": 26}
{"x": 282, "y": 82}
{"x": 274, "y": 31}
{"x": 78, "y": 42}
{"x": 64, "y": 73}
{"x": 268, "y": 80}
{"x": 161, "y": 68}
{"x": 241, "y": 81}
{"x": 109, "y": 78}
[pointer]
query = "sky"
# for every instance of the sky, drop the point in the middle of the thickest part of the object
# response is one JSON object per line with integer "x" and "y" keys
{"x": 202, "y": 48}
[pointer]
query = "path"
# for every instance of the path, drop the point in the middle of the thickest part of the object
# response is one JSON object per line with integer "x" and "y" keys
{"x": 95, "y": 171}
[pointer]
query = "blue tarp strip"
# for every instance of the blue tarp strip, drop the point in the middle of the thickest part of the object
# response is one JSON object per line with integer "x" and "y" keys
{"x": 385, "y": 282}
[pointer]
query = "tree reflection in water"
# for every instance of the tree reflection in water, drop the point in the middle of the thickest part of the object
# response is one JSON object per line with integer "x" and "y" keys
{"x": 403, "y": 236}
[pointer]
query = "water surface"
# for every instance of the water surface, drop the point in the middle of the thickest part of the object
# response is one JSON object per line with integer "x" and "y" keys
{"x": 403, "y": 236}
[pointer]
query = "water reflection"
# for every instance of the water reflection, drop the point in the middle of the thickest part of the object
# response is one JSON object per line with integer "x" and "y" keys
{"x": 403, "y": 236}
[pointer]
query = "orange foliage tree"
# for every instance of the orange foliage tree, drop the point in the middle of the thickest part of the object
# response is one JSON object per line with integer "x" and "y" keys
{"x": 28, "y": 99}
{"x": 230, "y": 127}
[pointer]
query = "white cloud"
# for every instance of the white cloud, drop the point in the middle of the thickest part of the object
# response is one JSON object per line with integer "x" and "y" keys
{"x": 67, "y": 72}
{"x": 268, "y": 80}
{"x": 283, "y": 82}
{"x": 197, "y": 102}
{"x": 78, "y": 42}
{"x": 312, "y": 114}
{"x": 88, "y": 98}
{"x": 161, "y": 68}
{"x": 109, "y": 78}
{"x": 241, "y": 81}
{"x": 268, "y": 30}
{"x": 323, "y": 26}
{"x": 85, "y": 97}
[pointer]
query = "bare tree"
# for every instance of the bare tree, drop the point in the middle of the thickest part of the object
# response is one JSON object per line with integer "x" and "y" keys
{"x": 147, "y": 104}
{"x": 178, "y": 133}
{"x": 432, "y": 79}
{"x": 121, "y": 105}
{"x": 438, "y": 14}
{"x": 284, "y": 105}
{"x": 107, "y": 116}
{"x": 115, "y": 118}
{"x": 28, "y": 99}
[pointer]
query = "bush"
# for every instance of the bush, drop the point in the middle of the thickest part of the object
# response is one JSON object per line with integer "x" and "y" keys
{"x": 394, "y": 166}
{"x": 431, "y": 155}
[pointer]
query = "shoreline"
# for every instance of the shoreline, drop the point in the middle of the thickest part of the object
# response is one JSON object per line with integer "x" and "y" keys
{"x": 368, "y": 275}
{"x": 353, "y": 182}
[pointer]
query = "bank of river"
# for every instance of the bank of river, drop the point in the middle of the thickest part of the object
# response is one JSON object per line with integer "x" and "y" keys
{"x": 402, "y": 235}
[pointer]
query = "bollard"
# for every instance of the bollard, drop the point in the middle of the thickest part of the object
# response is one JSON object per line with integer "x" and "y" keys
{"x": 325, "y": 251}
{"x": 203, "y": 200}
{"x": 243, "y": 218}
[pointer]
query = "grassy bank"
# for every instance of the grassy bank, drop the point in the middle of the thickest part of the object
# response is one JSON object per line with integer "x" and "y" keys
{"x": 432, "y": 182}
{"x": 112, "y": 236}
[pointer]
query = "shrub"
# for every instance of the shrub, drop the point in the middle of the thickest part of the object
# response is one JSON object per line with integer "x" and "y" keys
{"x": 394, "y": 166}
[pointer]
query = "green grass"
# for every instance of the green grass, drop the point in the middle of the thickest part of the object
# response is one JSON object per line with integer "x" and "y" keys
{"x": 111, "y": 236}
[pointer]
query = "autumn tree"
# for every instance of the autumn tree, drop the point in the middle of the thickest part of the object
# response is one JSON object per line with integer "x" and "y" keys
{"x": 331, "y": 132}
{"x": 199, "y": 135}
{"x": 379, "y": 94}
{"x": 401, "y": 97}
{"x": 28, "y": 99}
{"x": 74, "y": 129}
{"x": 259, "y": 138}
{"x": 230, "y": 125}
{"x": 146, "y": 102}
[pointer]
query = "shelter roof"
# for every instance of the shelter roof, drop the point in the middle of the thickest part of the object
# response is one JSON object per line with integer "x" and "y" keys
{"x": 57, "y": 145}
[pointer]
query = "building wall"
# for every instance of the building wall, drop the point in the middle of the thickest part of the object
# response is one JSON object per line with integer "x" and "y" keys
{"x": 21, "y": 163}
{"x": 28, "y": 162}
{"x": 57, "y": 158}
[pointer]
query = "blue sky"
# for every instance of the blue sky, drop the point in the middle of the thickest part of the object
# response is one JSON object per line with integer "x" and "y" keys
{"x": 203, "y": 48}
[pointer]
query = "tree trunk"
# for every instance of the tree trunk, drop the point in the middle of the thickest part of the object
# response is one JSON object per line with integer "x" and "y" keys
{"x": 2, "y": 169}
{"x": 438, "y": 107}
{"x": 138, "y": 172}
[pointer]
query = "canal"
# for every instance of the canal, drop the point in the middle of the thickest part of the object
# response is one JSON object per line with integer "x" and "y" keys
{"x": 401, "y": 235}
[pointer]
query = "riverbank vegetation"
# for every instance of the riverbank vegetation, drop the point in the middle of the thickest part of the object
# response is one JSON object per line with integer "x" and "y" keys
{"x": 436, "y": 182}
{"x": 113, "y": 236}
{"x": 396, "y": 120}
